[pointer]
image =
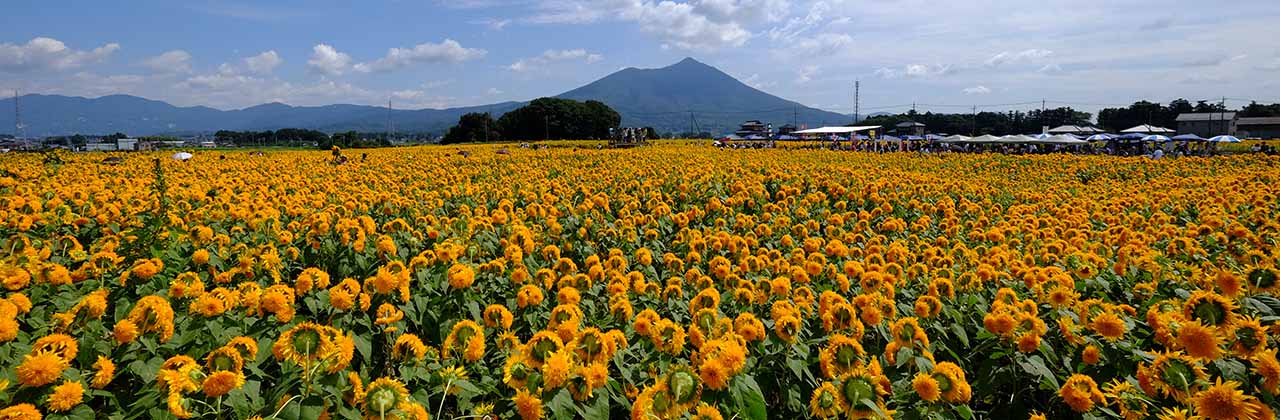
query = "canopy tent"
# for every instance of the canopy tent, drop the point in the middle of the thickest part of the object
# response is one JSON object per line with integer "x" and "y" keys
{"x": 1132, "y": 136}
{"x": 733, "y": 137}
{"x": 1156, "y": 137}
{"x": 1063, "y": 139}
{"x": 985, "y": 138}
{"x": 1149, "y": 129}
{"x": 1101, "y": 137}
{"x": 1039, "y": 136}
{"x": 1072, "y": 129}
{"x": 933, "y": 137}
{"x": 754, "y": 137}
{"x": 1015, "y": 138}
{"x": 913, "y": 138}
{"x": 955, "y": 139}
{"x": 837, "y": 130}
{"x": 1224, "y": 139}
{"x": 889, "y": 138}
{"x": 1188, "y": 137}
{"x": 788, "y": 137}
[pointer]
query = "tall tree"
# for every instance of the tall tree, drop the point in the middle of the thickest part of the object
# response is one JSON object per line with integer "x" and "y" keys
{"x": 472, "y": 128}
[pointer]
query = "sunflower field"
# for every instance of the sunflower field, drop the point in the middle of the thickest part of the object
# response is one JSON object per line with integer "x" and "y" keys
{"x": 674, "y": 281}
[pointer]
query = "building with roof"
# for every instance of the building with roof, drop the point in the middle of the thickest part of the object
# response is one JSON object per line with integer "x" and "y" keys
{"x": 753, "y": 128}
{"x": 1207, "y": 124}
{"x": 909, "y": 128}
{"x": 1260, "y": 127}
{"x": 1080, "y": 130}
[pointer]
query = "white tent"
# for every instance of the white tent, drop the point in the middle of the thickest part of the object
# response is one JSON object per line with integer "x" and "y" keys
{"x": 955, "y": 139}
{"x": 985, "y": 138}
{"x": 837, "y": 130}
{"x": 1015, "y": 138}
{"x": 1149, "y": 129}
{"x": 1063, "y": 139}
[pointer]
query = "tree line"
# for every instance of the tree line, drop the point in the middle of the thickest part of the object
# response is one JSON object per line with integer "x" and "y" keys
{"x": 543, "y": 118}
{"x": 994, "y": 123}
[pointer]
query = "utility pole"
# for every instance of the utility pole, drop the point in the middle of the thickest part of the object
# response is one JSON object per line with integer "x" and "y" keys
{"x": 388, "y": 119}
{"x": 857, "y": 87}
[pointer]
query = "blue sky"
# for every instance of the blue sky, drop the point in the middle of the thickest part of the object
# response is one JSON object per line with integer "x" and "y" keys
{"x": 940, "y": 55}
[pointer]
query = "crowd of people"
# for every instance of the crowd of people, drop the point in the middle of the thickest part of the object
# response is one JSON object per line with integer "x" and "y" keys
{"x": 1112, "y": 147}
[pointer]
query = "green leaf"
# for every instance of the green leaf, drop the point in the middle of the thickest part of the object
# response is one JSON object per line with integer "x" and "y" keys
{"x": 599, "y": 409}
{"x": 364, "y": 347}
{"x": 752, "y": 400}
{"x": 562, "y": 406}
{"x": 960, "y": 334}
{"x": 797, "y": 367}
{"x": 964, "y": 411}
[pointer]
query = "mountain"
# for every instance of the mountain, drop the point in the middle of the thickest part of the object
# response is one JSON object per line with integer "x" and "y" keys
{"x": 661, "y": 98}
{"x": 664, "y": 98}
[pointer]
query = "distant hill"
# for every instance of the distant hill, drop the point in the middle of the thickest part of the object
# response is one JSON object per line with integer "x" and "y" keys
{"x": 50, "y": 115}
{"x": 661, "y": 98}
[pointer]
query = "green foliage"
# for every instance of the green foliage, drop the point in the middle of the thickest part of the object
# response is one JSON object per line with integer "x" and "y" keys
{"x": 553, "y": 118}
{"x": 473, "y": 127}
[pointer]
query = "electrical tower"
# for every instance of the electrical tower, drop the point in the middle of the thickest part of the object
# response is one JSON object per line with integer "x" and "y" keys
{"x": 18, "y": 132}
{"x": 857, "y": 87}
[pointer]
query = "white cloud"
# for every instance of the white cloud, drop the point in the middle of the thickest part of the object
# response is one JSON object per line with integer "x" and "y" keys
{"x": 263, "y": 63}
{"x": 327, "y": 60}
{"x": 49, "y": 54}
{"x": 805, "y": 73}
{"x": 493, "y": 92}
{"x": 1272, "y": 65}
{"x": 432, "y": 84}
{"x": 926, "y": 70}
{"x": 976, "y": 90}
{"x": 822, "y": 44}
{"x": 1033, "y": 55}
{"x": 797, "y": 25}
{"x": 493, "y": 24}
{"x": 447, "y": 51}
{"x": 176, "y": 61}
{"x": 678, "y": 25}
{"x": 755, "y": 82}
{"x": 743, "y": 10}
{"x": 552, "y": 56}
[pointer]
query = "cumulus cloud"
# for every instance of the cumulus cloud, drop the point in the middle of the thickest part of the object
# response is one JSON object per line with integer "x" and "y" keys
{"x": 1033, "y": 55}
{"x": 755, "y": 82}
{"x": 551, "y": 56}
{"x": 447, "y": 51}
{"x": 176, "y": 61}
{"x": 263, "y": 63}
{"x": 976, "y": 90}
{"x": 327, "y": 60}
{"x": 41, "y": 54}
{"x": 743, "y": 10}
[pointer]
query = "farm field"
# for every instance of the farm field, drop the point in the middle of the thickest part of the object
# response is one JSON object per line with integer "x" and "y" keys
{"x": 674, "y": 281}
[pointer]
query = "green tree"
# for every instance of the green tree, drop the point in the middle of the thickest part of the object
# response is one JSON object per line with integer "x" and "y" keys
{"x": 554, "y": 118}
{"x": 471, "y": 128}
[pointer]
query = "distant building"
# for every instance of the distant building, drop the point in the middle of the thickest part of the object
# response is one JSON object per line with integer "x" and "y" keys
{"x": 100, "y": 147}
{"x": 910, "y": 128}
{"x": 209, "y": 144}
{"x": 1207, "y": 124}
{"x": 127, "y": 144}
{"x": 1261, "y": 127}
{"x": 786, "y": 130}
{"x": 753, "y": 128}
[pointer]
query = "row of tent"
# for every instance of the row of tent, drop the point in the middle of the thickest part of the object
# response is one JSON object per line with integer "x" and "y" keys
{"x": 1068, "y": 139}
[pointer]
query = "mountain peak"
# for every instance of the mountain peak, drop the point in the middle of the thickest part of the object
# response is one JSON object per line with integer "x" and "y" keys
{"x": 688, "y": 62}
